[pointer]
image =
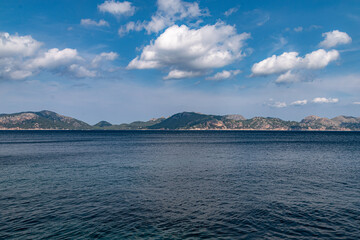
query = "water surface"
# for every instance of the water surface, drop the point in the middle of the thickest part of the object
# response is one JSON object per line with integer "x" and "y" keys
{"x": 179, "y": 185}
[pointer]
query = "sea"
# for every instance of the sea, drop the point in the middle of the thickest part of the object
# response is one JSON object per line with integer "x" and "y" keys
{"x": 179, "y": 185}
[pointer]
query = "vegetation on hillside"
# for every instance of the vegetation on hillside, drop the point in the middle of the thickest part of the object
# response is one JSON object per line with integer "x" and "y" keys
{"x": 180, "y": 121}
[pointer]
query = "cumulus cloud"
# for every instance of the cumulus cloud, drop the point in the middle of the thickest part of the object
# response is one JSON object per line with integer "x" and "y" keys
{"x": 80, "y": 71}
{"x": 105, "y": 56}
{"x": 184, "y": 49}
{"x": 335, "y": 38}
{"x": 64, "y": 61}
{"x": 231, "y": 11}
{"x": 10, "y": 68}
{"x": 14, "y": 45}
{"x": 54, "y": 58}
{"x": 291, "y": 60}
{"x": 224, "y": 75}
{"x": 156, "y": 24}
{"x": 277, "y": 104}
{"x": 288, "y": 77}
{"x": 130, "y": 26}
{"x": 21, "y": 57}
{"x": 117, "y": 8}
{"x": 168, "y": 12}
{"x": 179, "y": 74}
{"x": 178, "y": 7}
{"x": 89, "y": 22}
{"x": 19, "y": 74}
{"x": 299, "y": 102}
{"x": 325, "y": 100}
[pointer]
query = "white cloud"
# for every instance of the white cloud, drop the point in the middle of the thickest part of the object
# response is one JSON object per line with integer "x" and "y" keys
{"x": 276, "y": 64}
{"x": 231, "y": 11}
{"x": 325, "y": 100}
{"x": 319, "y": 59}
{"x": 11, "y": 68}
{"x": 168, "y": 12}
{"x": 14, "y": 45}
{"x": 157, "y": 24}
{"x": 117, "y": 8}
{"x": 335, "y": 38}
{"x": 130, "y": 26}
{"x": 54, "y": 58}
{"x": 60, "y": 61}
{"x": 299, "y": 102}
{"x": 224, "y": 75}
{"x": 178, "y": 74}
{"x": 177, "y": 7}
{"x": 298, "y": 29}
{"x": 288, "y": 77}
{"x": 19, "y": 74}
{"x": 109, "y": 56}
{"x": 20, "y": 58}
{"x": 89, "y": 22}
{"x": 290, "y": 60}
{"x": 277, "y": 104}
{"x": 356, "y": 103}
{"x": 80, "y": 71}
{"x": 184, "y": 49}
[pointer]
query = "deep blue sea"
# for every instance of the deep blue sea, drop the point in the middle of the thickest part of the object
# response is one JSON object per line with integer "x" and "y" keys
{"x": 179, "y": 185}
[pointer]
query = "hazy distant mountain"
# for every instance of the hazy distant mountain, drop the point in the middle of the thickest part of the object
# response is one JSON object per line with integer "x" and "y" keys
{"x": 347, "y": 122}
{"x": 337, "y": 123}
{"x": 236, "y": 117}
{"x": 41, "y": 120}
{"x": 191, "y": 120}
{"x": 137, "y": 125}
{"x": 102, "y": 124}
{"x": 179, "y": 121}
{"x": 188, "y": 120}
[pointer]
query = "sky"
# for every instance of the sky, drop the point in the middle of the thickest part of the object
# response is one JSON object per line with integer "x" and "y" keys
{"x": 122, "y": 61}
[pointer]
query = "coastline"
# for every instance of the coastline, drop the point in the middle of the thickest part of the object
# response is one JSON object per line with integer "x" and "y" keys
{"x": 185, "y": 130}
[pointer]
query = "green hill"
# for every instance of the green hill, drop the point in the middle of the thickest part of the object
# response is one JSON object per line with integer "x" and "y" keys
{"x": 184, "y": 120}
{"x": 102, "y": 124}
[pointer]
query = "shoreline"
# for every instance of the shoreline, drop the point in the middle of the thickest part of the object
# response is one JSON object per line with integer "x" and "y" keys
{"x": 184, "y": 130}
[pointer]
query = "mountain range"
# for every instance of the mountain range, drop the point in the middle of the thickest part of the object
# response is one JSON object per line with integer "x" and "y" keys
{"x": 47, "y": 120}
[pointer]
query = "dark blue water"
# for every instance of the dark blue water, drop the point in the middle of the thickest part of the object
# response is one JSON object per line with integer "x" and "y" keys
{"x": 179, "y": 185}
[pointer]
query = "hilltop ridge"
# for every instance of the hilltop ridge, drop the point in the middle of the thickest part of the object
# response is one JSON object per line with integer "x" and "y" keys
{"x": 40, "y": 120}
{"x": 48, "y": 120}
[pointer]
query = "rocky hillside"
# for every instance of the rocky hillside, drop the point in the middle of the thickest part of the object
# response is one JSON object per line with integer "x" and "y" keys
{"x": 337, "y": 123}
{"x": 41, "y": 120}
{"x": 179, "y": 121}
{"x": 194, "y": 121}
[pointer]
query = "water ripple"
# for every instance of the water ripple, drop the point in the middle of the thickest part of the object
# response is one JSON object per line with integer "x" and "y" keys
{"x": 179, "y": 185}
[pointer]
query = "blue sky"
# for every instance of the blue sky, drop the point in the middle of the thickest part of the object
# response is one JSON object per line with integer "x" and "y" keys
{"x": 134, "y": 60}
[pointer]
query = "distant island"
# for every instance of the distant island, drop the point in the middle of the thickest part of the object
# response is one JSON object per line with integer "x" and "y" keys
{"x": 47, "y": 120}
